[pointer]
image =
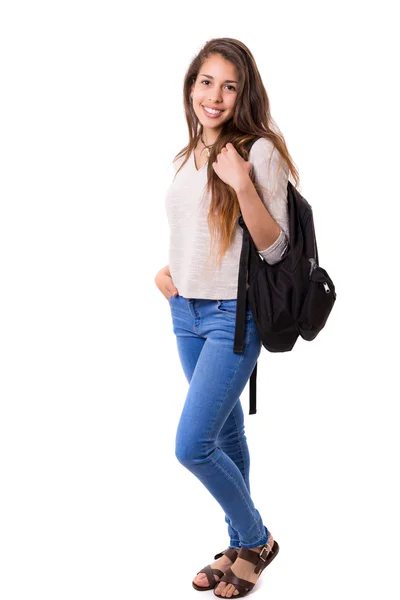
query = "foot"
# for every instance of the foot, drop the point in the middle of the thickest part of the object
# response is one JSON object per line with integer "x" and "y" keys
{"x": 222, "y": 563}
{"x": 242, "y": 569}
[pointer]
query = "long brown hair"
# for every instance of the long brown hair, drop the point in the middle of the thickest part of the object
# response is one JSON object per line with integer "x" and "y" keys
{"x": 251, "y": 119}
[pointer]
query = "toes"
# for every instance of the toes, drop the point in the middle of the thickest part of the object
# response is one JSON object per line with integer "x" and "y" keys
{"x": 201, "y": 579}
{"x": 229, "y": 590}
{"x": 219, "y": 588}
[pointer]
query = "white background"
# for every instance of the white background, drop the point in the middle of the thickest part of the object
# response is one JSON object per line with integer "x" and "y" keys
{"x": 94, "y": 504}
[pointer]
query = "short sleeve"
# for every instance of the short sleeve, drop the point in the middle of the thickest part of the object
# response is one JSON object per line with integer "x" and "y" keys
{"x": 271, "y": 174}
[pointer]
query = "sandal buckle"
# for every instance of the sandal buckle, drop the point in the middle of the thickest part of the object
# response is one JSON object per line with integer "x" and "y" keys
{"x": 259, "y": 566}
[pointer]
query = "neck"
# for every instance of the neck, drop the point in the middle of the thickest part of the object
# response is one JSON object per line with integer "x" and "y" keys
{"x": 209, "y": 136}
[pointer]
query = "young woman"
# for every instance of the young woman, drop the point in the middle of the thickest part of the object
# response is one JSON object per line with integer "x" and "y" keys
{"x": 226, "y": 106}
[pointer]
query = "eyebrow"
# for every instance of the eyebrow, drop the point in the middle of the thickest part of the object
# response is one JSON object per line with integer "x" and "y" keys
{"x": 226, "y": 80}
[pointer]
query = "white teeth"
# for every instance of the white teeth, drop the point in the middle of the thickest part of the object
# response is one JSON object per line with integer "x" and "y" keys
{"x": 213, "y": 112}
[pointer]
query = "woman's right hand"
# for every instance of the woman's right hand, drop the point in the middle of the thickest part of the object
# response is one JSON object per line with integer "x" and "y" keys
{"x": 165, "y": 284}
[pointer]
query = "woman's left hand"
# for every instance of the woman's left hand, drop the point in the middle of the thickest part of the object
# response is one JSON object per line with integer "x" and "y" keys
{"x": 231, "y": 167}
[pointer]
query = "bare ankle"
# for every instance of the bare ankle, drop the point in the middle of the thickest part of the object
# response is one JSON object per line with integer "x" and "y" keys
{"x": 269, "y": 543}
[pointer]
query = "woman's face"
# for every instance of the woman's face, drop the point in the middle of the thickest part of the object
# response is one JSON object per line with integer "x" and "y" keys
{"x": 215, "y": 87}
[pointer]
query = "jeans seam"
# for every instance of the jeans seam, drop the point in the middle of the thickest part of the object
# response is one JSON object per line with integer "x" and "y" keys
{"x": 226, "y": 391}
{"x": 238, "y": 436}
{"x": 229, "y": 476}
{"x": 247, "y": 340}
{"x": 219, "y": 409}
{"x": 248, "y": 313}
{"x": 242, "y": 455}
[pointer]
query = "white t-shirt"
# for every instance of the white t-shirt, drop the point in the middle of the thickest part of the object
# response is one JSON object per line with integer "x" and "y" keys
{"x": 187, "y": 205}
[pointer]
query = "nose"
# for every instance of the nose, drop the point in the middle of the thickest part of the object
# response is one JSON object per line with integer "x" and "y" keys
{"x": 216, "y": 99}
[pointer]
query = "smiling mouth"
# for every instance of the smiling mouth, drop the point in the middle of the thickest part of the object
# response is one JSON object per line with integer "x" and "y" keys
{"x": 212, "y": 112}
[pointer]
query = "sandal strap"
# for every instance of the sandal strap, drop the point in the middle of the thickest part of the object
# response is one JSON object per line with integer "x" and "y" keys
{"x": 245, "y": 585}
{"x": 209, "y": 572}
{"x": 260, "y": 559}
{"x": 231, "y": 553}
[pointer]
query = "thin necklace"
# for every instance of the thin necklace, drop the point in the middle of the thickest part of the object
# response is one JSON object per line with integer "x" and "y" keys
{"x": 208, "y": 147}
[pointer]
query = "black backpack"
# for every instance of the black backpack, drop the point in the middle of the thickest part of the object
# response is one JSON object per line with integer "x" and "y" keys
{"x": 290, "y": 298}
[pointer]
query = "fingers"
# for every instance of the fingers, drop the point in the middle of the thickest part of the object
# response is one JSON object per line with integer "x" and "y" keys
{"x": 173, "y": 293}
{"x": 166, "y": 285}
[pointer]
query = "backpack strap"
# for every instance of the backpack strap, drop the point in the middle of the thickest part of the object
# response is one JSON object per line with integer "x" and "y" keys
{"x": 238, "y": 346}
{"x": 253, "y": 392}
{"x": 240, "y": 323}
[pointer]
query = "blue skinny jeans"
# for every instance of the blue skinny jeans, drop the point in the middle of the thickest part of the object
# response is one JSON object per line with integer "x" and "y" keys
{"x": 210, "y": 438}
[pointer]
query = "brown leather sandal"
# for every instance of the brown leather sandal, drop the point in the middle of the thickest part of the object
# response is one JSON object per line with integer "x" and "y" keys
{"x": 260, "y": 559}
{"x": 232, "y": 554}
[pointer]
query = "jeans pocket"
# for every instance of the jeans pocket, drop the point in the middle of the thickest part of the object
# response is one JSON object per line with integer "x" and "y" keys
{"x": 229, "y": 307}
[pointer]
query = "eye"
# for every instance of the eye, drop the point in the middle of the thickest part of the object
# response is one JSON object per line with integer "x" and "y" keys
{"x": 230, "y": 86}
